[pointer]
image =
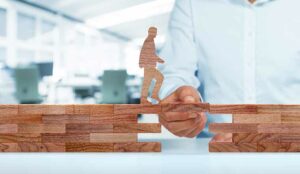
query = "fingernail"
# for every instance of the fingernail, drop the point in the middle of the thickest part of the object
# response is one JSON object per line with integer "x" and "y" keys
{"x": 189, "y": 99}
{"x": 193, "y": 115}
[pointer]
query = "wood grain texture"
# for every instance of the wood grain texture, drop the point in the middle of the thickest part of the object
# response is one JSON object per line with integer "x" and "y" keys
{"x": 89, "y": 128}
{"x": 16, "y": 138}
{"x": 136, "y": 109}
{"x": 8, "y": 128}
{"x": 290, "y": 128}
{"x": 113, "y": 137}
{"x": 15, "y": 119}
{"x": 233, "y": 128}
{"x": 137, "y": 128}
{"x": 278, "y": 147}
{"x": 269, "y": 109}
{"x": 255, "y": 137}
{"x": 138, "y": 147}
{"x": 233, "y": 109}
{"x": 8, "y": 110}
{"x": 101, "y": 114}
{"x": 40, "y": 147}
{"x": 125, "y": 118}
{"x": 216, "y": 146}
{"x": 41, "y": 128}
{"x": 256, "y": 118}
{"x": 42, "y": 109}
{"x": 181, "y": 107}
{"x": 65, "y": 119}
{"x": 290, "y": 118}
{"x": 89, "y": 147}
{"x": 9, "y": 147}
{"x": 65, "y": 138}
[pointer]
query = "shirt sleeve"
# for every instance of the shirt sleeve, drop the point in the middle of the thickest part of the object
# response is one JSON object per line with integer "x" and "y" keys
{"x": 179, "y": 51}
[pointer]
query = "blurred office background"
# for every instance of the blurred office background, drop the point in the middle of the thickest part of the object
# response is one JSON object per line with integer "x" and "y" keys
{"x": 75, "y": 51}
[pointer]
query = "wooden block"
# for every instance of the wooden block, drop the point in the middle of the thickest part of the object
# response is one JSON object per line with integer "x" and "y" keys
{"x": 255, "y": 138}
{"x": 65, "y": 138}
{"x": 113, "y": 137}
{"x": 290, "y": 128}
{"x": 82, "y": 109}
{"x": 41, "y": 147}
{"x": 137, "y": 147}
{"x": 103, "y": 109}
{"x": 9, "y": 147}
{"x": 42, "y": 109}
{"x": 290, "y": 118}
{"x": 15, "y": 119}
{"x": 218, "y": 146}
{"x": 233, "y": 109}
{"x": 8, "y": 110}
{"x": 125, "y": 118}
{"x": 89, "y": 128}
{"x": 270, "y": 109}
{"x": 16, "y": 138}
{"x": 89, "y": 147}
{"x": 8, "y": 128}
{"x": 65, "y": 119}
{"x": 278, "y": 147}
{"x": 185, "y": 107}
{"x": 233, "y": 128}
{"x": 256, "y": 118}
{"x": 41, "y": 128}
{"x": 137, "y": 128}
{"x": 102, "y": 119}
{"x": 136, "y": 109}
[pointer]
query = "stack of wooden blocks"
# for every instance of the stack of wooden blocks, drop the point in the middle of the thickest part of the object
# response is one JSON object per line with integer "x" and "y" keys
{"x": 257, "y": 128}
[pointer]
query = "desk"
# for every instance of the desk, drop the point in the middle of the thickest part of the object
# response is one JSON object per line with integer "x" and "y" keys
{"x": 178, "y": 156}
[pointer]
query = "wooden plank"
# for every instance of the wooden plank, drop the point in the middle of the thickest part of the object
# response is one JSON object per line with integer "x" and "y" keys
{"x": 270, "y": 109}
{"x": 278, "y": 147}
{"x": 256, "y": 118}
{"x": 9, "y": 147}
{"x": 113, "y": 137}
{"x": 41, "y": 147}
{"x": 137, "y": 128}
{"x": 290, "y": 118}
{"x": 125, "y": 118}
{"x": 289, "y": 128}
{"x": 103, "y": 109}
{"x": 185, "y": 107}
{"x": 255, "y": 137}
{"x": 16, "y": 138}
{"x": 15, "y": 119}
{"x": 42, "y": 109}
{"x": 219, "y": 146}
{"x": 136, "y": 109}
{"x": 138, "y": 147}
{"x": 41, "y": 128}
{"x": 89, "y": 147}
{"x": 65, "y": 138}
{"x": 8, "y": 128}
{"x": 80, "y": 109}
{"x": 233, "y": 128}
{"x": 65, "y": 119}
{"x": 8, "y": 110}
{"x": 89, "y": 128}
{"x": 233, "y": 109}
{"x": 102, "y": 119}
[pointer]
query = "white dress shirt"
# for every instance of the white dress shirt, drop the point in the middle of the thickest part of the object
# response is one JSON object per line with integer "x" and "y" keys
{"x": 243, "y": 53}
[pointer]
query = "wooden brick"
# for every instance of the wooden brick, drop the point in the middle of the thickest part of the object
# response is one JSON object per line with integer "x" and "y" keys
{"x": 65, "y": 138}
{"x": 257, "y": 118}
{"x": 41, "y": 147}
{"x": 15, "y": 119}
{"x": 125, "y": 118}
{"x": 42, "y": 109}
{"x": 103, "y": 109}
{"x": 215, "y": 146}
{"x": 232, "y": 128}
{"x": 185, "y": 107}
{"x": 102, "y": 119}
{"x": 290, "y": 118}
{"x": 279, "y": 128}
{"x": 255, "y": 138}
{"x": 136, "y": 109}
{"x": 113, "y": 137}
{"x": 41, "y": 128}
{"x": 278, "y": 147}
{"x": 233, "y": 109}
{"x": 8, "y": 110}
{"x": 270, "y": 109}
{"x": 138, "y": 147}
{"x": 16, "y": 138}
{"x": 137, "y": 128}
{"x": 89, "y": 128}
{"x": 82, "y": 109}
{"x": 8, "y": 128}
{"x": 89, "y": 147}
{"x": 9, "y": 147}
{"x": 65, "y": 119}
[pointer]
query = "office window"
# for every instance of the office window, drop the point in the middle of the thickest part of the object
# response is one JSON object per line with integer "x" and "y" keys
{"x": 2, "y": 55}
{"x": 45, "y": 56}
{"x": 25, "y": 56}
{"x": 48, "y": 30}
{"x": 2, "y": 22}
{"x": 26, "y": 27}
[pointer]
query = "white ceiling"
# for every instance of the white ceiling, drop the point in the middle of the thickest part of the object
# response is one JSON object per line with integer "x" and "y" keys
{"x": 87, "y": 9}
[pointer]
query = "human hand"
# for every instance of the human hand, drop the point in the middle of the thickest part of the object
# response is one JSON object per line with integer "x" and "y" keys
{"x": 180, "y": 123}
{"x": 159, "y": 60}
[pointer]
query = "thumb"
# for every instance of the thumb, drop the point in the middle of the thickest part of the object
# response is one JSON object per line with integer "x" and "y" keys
{"x": 189, "y": 99}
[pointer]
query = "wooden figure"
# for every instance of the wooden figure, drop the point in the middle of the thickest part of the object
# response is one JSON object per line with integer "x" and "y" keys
{"x": 148, "y": 61}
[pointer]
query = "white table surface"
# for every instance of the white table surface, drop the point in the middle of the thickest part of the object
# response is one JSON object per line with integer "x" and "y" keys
{"x": 178, "y": 156}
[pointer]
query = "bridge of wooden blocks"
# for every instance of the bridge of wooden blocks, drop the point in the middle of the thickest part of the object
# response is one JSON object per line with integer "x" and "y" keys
{"x": 115, "y": 127}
